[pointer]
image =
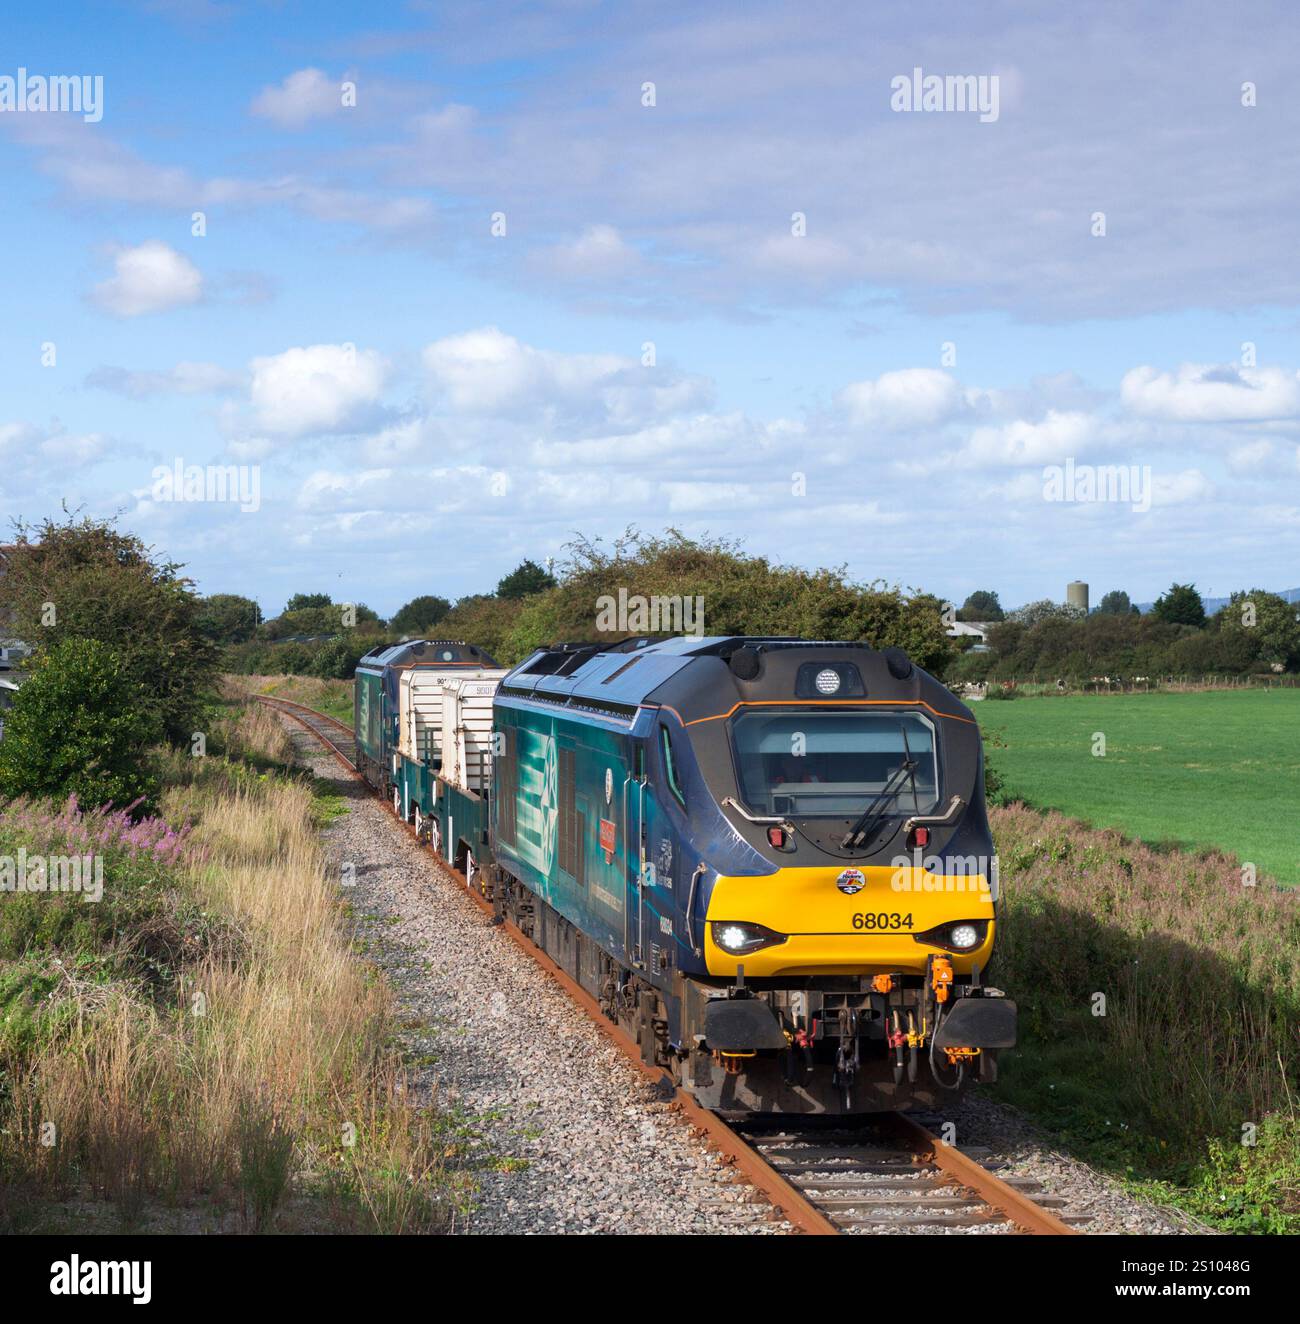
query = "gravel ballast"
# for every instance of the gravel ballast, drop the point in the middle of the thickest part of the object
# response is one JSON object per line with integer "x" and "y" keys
{"x": 578, "y": 1141}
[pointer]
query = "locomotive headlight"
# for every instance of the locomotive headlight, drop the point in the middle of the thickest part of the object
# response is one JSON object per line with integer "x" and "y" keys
{"x": 963, "y": 935}
{"x": 738, "y": 938}
{"x": 828, "y": 681}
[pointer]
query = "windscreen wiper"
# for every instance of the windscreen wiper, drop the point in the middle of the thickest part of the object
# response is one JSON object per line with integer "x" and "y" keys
{"x": 860, "y": 830}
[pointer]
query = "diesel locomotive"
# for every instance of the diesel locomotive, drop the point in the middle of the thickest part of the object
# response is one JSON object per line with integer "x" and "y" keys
{"x": 767, "y": 858}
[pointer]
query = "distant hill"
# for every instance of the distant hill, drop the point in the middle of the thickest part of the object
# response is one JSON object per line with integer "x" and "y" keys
{"x": 1217, "y": 604}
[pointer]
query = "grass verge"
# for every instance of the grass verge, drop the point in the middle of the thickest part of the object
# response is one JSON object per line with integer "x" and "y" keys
{"x": 200, "y": 1049}
{"x": 1160, "y": 1014}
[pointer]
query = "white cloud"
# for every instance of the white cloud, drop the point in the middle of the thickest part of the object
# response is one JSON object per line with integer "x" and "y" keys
{"x": 35, "y": 458}
{"x": 702, "y": 442}
{"x": 488, "y": 371}
{"x": 1180, "y": 489}
{"x": 1212, "y": 394}
{"x": 1049, "y": 440}
{"x": 909, "y": 397}
{"x": 316, "y": 389}
{"x": 150, "y": 278}
{"x": 302, "y": 97}
{"x": 1251, "y": 456}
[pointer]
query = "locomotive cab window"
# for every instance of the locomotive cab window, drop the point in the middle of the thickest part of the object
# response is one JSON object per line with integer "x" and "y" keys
{"x": 670, "y": 768}
{"x": 834, "y": 763}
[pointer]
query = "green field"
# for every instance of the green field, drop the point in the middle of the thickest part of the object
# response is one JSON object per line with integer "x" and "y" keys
{"x": 1216, "y": 768}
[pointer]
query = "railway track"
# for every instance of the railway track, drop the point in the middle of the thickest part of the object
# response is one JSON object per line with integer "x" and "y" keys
{"x": 826, "y": 1176}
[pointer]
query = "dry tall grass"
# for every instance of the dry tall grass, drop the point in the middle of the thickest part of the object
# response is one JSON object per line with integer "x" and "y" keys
{"x": 272, "y": 1077}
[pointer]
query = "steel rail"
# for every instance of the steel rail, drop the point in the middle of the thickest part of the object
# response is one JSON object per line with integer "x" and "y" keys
{"x": 786, "y": 1198}
{"x": 1019, "y": 1208}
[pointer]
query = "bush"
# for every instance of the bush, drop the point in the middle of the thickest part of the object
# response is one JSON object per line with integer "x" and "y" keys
{"x": 81, "y": 726}
{"x": 85, "y": 579}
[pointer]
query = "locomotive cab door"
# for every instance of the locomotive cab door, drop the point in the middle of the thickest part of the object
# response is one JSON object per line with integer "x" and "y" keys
{"x": 634, "y": 828}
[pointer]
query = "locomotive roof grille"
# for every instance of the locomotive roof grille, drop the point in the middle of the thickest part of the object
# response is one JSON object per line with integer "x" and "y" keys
{"x": 579, "y": 701}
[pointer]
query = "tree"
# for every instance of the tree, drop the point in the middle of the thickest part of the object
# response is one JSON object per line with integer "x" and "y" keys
{"x": 419, "y": 614}
{"x": 1182, "y": 605}
{"x": 228, "y": 618}
{"x": 982, "y": 605}
{"x": 86, "y": 579}
{"x": 1265, "y": 622}
{"x": 1116, "y": 603}
{"x": 734, "y": 593}
{"x": 305, "y": 601}
{"x": 312, "y": 621}
{"x": 524, "y": 580}
{"x": 81, "y": 725}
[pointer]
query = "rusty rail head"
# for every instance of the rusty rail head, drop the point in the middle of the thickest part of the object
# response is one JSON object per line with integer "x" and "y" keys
{"x": 295, "y": 712}
{"x": 1017, "y": 1206}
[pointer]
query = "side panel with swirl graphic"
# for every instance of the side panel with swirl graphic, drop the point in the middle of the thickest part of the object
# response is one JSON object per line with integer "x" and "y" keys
{"x": 536, "y": 799}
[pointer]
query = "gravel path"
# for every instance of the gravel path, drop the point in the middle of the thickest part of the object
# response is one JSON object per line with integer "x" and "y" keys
{"x": 578, "y": 1142}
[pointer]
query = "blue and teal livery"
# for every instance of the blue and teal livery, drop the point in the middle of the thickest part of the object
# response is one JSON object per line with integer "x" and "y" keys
{"x": 768, "y": 858}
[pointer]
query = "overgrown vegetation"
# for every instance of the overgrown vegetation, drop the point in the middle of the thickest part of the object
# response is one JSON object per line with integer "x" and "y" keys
{"x": 740, "y": 594}
{"x": 1160, "y": 1014}
{"x": 187, "y": 1039}
{"x": 532, "y": 607}
{"x": 86, "y": 579}
{"x": 327, "y": 696}
{"x": 81, "y": 725}
{"x": 201, "y": 1048}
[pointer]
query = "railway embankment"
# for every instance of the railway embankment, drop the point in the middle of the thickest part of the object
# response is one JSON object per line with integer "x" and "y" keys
{"x": 1160, "y": 1015}
{"x": 199, "y": 1048}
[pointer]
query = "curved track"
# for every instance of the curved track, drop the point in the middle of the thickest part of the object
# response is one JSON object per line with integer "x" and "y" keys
{"x": 824, "y": 1175}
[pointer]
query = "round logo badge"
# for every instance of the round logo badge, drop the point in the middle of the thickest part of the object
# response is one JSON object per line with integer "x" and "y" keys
{"x": 850, "y": 881}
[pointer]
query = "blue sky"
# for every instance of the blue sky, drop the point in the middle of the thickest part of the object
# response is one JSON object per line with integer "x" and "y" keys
{"x": 427, "y": 402}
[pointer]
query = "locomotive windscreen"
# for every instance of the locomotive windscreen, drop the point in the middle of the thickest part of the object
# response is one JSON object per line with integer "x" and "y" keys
{"x": 834, "y": 763}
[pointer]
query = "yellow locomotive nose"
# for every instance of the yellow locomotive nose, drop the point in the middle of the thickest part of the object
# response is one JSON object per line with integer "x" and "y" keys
{"x": 851, "y": 921}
